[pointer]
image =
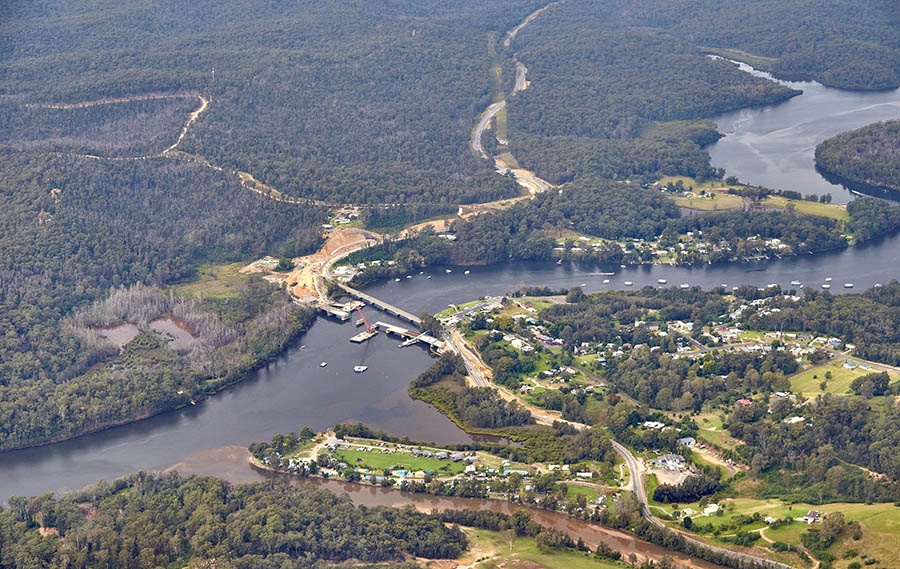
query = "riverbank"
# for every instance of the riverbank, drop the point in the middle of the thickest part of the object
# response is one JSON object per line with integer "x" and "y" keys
{"x": 257, "y": 356}
{"x": 591, "y": 533}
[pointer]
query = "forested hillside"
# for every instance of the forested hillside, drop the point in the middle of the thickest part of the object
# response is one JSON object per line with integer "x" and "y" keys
{"x": 70, "y": 230}
{"x": 870, "y": 155}
{"x": 350, "y": 102}
{"x": 851, "y": 45}
{"x": 169, "y": 521}
{"x": 597, "y": 87}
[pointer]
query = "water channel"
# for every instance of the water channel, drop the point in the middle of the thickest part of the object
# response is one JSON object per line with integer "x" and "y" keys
{"x": 774, "y": 146}
{"x": 771, "y": 146}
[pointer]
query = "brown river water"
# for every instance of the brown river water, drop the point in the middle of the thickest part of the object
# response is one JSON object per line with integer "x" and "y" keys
{"x": 232, "y": 463}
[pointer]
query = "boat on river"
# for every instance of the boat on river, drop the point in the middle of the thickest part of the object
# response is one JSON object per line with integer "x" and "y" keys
{"x": 827, "y": 279}
{"x": 661, "y": 281}
{"x": 323, "y": 364}
{"x": 360, "y": 369}
{"x": 795, "y": 283}
{"x": 605, "y": 281}
{"x": 467, "y": 272}
{"x": 826, "y": 286}
{"x": 628, "y": 283}
{"x": 848, "y": 285}
{"x": 685, "y": 285}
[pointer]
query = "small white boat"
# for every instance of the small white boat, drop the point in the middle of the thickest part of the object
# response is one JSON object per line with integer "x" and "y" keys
{"x": 559, "y": 262}
{"x": 734, "y": 288}
{"x": 303, "y": 347}
{"x": 429, "y": 276}
{"x": 628, "y": 283}
{"x": 467, "y": 272}
{"x": 448, "y": 270}
{"x": 421, "y": 272}
{"x": 771, "y": 285}
{"x": 623, "y": 266}
{"x": 661, "y": 281}
{"x": 848, "y": 285}
{"x": 323, "y": 364}
{"x": 409, "y": 276}
{"x": 877, "y": 285}
{"x": 605, "y": 281}
{"x": 826, "y": 286}
{"x": 795, "y": 283}
{"x": 360, "y": 369}
{"x": 397, "y": 280}
{"x": 583, "y": 284}
{"x": 724, "y": 285}
{"x": 685, "y": 285}
{"x": 827, "y": 279}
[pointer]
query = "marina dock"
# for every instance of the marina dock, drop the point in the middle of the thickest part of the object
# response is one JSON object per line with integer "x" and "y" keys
{"x": 364, "y": 335}
{"x": 411, "y": 337}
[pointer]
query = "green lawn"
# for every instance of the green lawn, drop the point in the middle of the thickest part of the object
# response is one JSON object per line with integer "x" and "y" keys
{"x": 456, "y": 308}
{"x": 880, "y": 524}
{"x": 589, "y": 492}
{"x": 832, "y": 210}
{"x": 718, "y": 202}
{"x": 711, "y": 430}
{"x": 377, "y": 461}
{"x": 807, "y": 382}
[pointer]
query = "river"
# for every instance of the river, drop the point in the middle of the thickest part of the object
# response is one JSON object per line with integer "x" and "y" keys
{"x": 294, "y": 391}
{"x": 774, "y": 146}
{"x": 231, "y": 463}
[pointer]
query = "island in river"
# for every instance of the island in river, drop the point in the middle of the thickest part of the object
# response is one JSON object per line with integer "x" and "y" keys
{"x": 867, "y": 156}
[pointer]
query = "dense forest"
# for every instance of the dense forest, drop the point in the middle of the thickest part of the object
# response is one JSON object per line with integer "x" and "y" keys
{"x": 348, "y": 102}
{"x": 869, "y": 155}
{"x": 72, "y": 229}
{"x": 602, "y": 97}
{"x": 137, "y": 128}
{"x": 850, "y": 45}
{"x": 165, "y": 520}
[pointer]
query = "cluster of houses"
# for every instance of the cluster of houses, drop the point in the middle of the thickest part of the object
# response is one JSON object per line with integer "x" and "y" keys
{"x": 671, "y": 462}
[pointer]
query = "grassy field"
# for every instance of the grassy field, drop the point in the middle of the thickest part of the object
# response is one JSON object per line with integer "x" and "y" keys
{"x": 689, "y": 182}
{"x": 718, "y": 202}
{"x": 589, "y": 492}
{"x": 807, "y": 382}
{"x": 376, "y": 461}
{"x": 880, "y": 525}
{"x": 711, "y": 430}
{"x": 832, "y": 210}
{"x": 219, "y": 281}
{"x": 500, "y": 119}
{"x": 508, "y": 159}
{"x": 492, "y": 551}
{"x": 456, "y": 308}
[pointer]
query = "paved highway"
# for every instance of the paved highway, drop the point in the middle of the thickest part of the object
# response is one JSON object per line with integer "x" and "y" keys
{"x": 486, "y": 117}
